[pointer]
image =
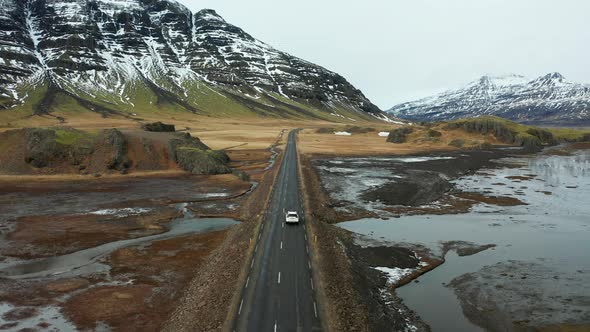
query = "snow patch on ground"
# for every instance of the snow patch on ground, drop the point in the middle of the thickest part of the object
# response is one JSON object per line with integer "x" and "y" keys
{"x": 394, "y": 274}
{"x": 121, "y": 213}
{"x": 384, "y": 134}
{"x": 51, "y": 315}
{"x": 419, "y": 159}
{"x": 342, "y": 133}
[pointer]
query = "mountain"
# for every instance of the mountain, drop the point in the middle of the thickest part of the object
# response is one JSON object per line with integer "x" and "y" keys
{"x": 129, "y": 56}
{"x": 547, "y": 100}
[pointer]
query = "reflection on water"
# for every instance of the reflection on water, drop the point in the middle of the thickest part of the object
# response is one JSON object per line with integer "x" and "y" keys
{"x": 553, "y": 230}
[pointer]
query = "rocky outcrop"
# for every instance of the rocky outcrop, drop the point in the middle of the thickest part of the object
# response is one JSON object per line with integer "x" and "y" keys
{"x": 185, "y": 140}
{"x": 194, "y": 156}
{"x": 533, "y": 140}
{"x": 42, "y": 147}
{"x": 399, "y": 135}
{"x": 71, "y": 151}
{"x": 117, "y": 144}
{"x": 158, "y": 127}
{"x": 53, "y": 147}
{"x": 198, "y": 161}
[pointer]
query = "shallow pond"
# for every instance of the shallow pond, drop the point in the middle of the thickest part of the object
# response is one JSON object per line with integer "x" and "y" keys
{"x": 553, "y": 230}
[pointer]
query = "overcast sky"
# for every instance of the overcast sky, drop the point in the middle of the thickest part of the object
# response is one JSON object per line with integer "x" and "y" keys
{"x": 399, "y": 50}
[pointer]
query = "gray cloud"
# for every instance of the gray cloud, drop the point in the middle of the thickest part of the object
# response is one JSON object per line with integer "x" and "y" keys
{"x": 398, "y": 50}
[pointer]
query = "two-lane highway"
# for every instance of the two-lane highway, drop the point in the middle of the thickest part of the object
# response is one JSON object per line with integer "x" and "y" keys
{"x": 279, "y": 293}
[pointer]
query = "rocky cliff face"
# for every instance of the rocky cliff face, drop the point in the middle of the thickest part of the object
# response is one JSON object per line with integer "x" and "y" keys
{"x": 109, "y": 54}
{"x": 547, "y": 100}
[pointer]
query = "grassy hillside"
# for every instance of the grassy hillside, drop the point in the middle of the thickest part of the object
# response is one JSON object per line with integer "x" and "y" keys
{"x": 46, "y": 105}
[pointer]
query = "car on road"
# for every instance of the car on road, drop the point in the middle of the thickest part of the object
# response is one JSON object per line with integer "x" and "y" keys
{"x": 292, "y": 217}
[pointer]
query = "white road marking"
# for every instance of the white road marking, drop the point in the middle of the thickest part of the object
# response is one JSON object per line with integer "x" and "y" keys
{"x": 283, "y": 224}
{"x": 307, "y": 249}
{"x": 281, "y": 245}
{"x": 279, "y": 278}
{"x": 259, "y": 235}
{"x": 305, "y": 237}
{"x": 311, "y": 283}
{"x": 256, "y": 248}
{"x": 252, "y": 264}
{"x": 241, "y": 303}
{"x": 315, "y": 309}
{"x": 275, "y": 326}
{"x": 309, "y": 264}
{"x": 247, "y": 282}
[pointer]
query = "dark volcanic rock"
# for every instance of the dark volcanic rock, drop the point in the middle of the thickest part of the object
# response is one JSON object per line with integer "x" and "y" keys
{"x": 42, "y": 147}
{"x": 117, "y": 142}
{"x": 158, "y": 127}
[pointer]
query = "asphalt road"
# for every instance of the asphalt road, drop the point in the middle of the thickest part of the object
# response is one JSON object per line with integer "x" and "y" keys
{"x": 279, "y": 293}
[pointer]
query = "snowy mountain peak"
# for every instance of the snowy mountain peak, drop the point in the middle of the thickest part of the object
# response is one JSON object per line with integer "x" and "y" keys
{"x": 209, "y": 15}
{"x": 555, "y": 76}
{"x": 499, "y": 81}
{"x": 549, "y": 99}
{"x": 551, "y": 79}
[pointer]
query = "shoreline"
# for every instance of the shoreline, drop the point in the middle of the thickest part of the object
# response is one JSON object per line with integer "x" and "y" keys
{"x": 324, "y": 214}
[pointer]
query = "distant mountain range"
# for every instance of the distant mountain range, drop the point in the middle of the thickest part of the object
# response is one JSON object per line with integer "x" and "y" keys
{"x": 124, "y": 57}
{"x": 547, "y": 100}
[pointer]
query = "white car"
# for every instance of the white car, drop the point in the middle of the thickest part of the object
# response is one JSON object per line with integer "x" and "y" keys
{"x": 292, "y": 217}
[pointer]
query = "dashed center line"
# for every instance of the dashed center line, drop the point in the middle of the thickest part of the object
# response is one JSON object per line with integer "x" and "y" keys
{"x": 279, "y": 280}
{"x": 247, "y": 281}
{"x": 281, "y": 245}
{"x": 315, "y": 309}
{"x": 241, "y": 304}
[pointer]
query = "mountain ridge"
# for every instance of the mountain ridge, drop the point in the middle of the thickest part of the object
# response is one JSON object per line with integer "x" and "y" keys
{"x": 113, "y": 57}
{"x": 549, "y": 99}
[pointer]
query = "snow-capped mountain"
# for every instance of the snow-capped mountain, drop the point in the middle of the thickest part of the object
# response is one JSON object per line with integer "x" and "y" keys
{"x": 112, "y": 55}
{"x": 546, "y": 100}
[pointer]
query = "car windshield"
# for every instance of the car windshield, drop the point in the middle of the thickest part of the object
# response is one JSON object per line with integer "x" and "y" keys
{"x": 291, "y": 214}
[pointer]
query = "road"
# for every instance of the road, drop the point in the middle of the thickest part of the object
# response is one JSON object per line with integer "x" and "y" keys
{"x": 279, "y": 293}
